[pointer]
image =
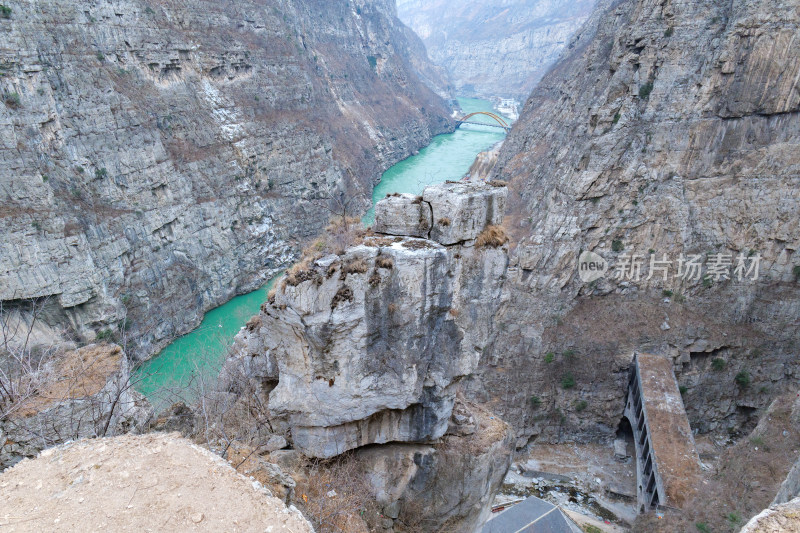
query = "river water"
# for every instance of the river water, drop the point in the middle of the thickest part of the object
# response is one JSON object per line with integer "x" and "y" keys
{"x": 179, "y": 370}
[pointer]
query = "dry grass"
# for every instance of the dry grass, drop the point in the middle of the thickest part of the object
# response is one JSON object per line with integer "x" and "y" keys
{"x": 344, "y": 294}
{"x": 339, "y": 235}
{"x": 78, "y": 374}
{"x": 444, "y": 221}
{"x": 454, "y": 312}
{"x": 299, "y": 272}
{"x": 492, "y": 236}
{"x": 377, "y": 242}
{"x": 355, "y": 266}
{"x": 334, "y": 495}
{"x": 497, "y": 183}
{"x": 384, "y": 261}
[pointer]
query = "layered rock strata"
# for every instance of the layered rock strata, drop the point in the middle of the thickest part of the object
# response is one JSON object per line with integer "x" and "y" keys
{"x": 156, "y": 159}
{"x": 668, "y": 130}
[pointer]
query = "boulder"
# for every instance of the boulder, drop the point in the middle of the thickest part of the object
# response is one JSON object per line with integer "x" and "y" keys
{"x": 462, "y": 210}
{"x": 403, "y": 215}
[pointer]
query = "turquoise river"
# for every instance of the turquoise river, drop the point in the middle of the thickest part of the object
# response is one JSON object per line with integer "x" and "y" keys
{"x": 182, "y": 368}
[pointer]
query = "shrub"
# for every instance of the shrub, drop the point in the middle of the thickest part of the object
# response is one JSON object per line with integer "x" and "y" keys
{"x": 299, "y": 273}
{"x": 617, "y": 246}
{"x": 581, "y": 405}
{"x": 79, "y": 169}
{"x": 492, "y": 236}
{"x": 444, "y": 221}
{"x": 743, "y": 378}
{"x": 645, "y": 90}
{"x": 666, "y": 293}
{"x": 702, "y": 527}
{"x": 355, "y": 266}
{"x": 535, "y": 402}
{"x": 100, "y": 173}
{"x": 5, "y": 11}
{"x": 669, "y": 32}
{"x": 36, "y": 225}
{"x": 734, "y": 518}
{"x": 682, "y": 389}
{"x": 12, "y": 100}
{"x": 549, "y": 357}
{"x": 568, "y": 381}
{"x": 373, "y": 62}
{"x": 344, "y": 294}
{"x": 617, "y": 116}
{"x": 796, "y": 272}
{"x": 384, "y": 261}
{"x": 568, "y": 353}
{"x": 707, "y": 282}
{"x": 104, "y": 335}
{"x": 589, "y": 528}
{"x": 718, "y": 364}
{"x": 100, "y": 56}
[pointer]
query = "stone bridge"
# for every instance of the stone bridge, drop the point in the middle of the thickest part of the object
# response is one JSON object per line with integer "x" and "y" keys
{"x": 667, "y": 464}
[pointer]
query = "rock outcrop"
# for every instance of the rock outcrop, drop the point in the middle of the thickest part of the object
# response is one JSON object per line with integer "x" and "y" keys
{"x": 449, "y": 487}
{"x": 369, "y": 346}
{"x": 88, "y": 393}
{"x": 152, "y": 482}
{"x": 158, "y": 159}
{"x": 365, "y": 350}
{"x": 777, "y": 519}
{"x": 496, "y": 47}
{"x": 667, "y": 130}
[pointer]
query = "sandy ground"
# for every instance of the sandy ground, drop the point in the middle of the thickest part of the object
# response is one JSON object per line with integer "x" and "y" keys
{"x": 152, "y": 482}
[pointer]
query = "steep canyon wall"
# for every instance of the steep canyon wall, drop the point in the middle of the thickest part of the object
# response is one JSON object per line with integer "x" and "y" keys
{"x": 668, "y": 128}
{"x": 158, "y": 158}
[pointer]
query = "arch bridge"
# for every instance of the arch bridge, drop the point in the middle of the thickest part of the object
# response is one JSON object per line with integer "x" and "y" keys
{"x": 501, "y": 122}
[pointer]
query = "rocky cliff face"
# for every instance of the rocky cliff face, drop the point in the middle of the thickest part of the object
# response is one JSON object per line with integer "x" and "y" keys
{"x": 369, "y": 346}
{"x": 501, "y": 47}
{"x": 669, "y": 128}
{"x": 158, "y": 158}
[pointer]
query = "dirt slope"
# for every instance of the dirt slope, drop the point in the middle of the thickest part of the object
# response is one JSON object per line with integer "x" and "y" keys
{"x": 151, "y": 482}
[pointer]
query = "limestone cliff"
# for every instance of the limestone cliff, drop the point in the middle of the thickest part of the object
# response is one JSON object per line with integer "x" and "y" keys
{"x": 499, "y": 47}
{"x": 669, "y": 128}
{"x": 368, "y": 346}
{"x": 159, "y": 158}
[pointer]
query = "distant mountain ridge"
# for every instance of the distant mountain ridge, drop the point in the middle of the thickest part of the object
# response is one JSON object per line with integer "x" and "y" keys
{"x": 495, "y": 47}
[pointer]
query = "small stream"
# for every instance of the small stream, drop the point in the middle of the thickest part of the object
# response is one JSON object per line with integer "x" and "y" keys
{"x": 179, "y": 369}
